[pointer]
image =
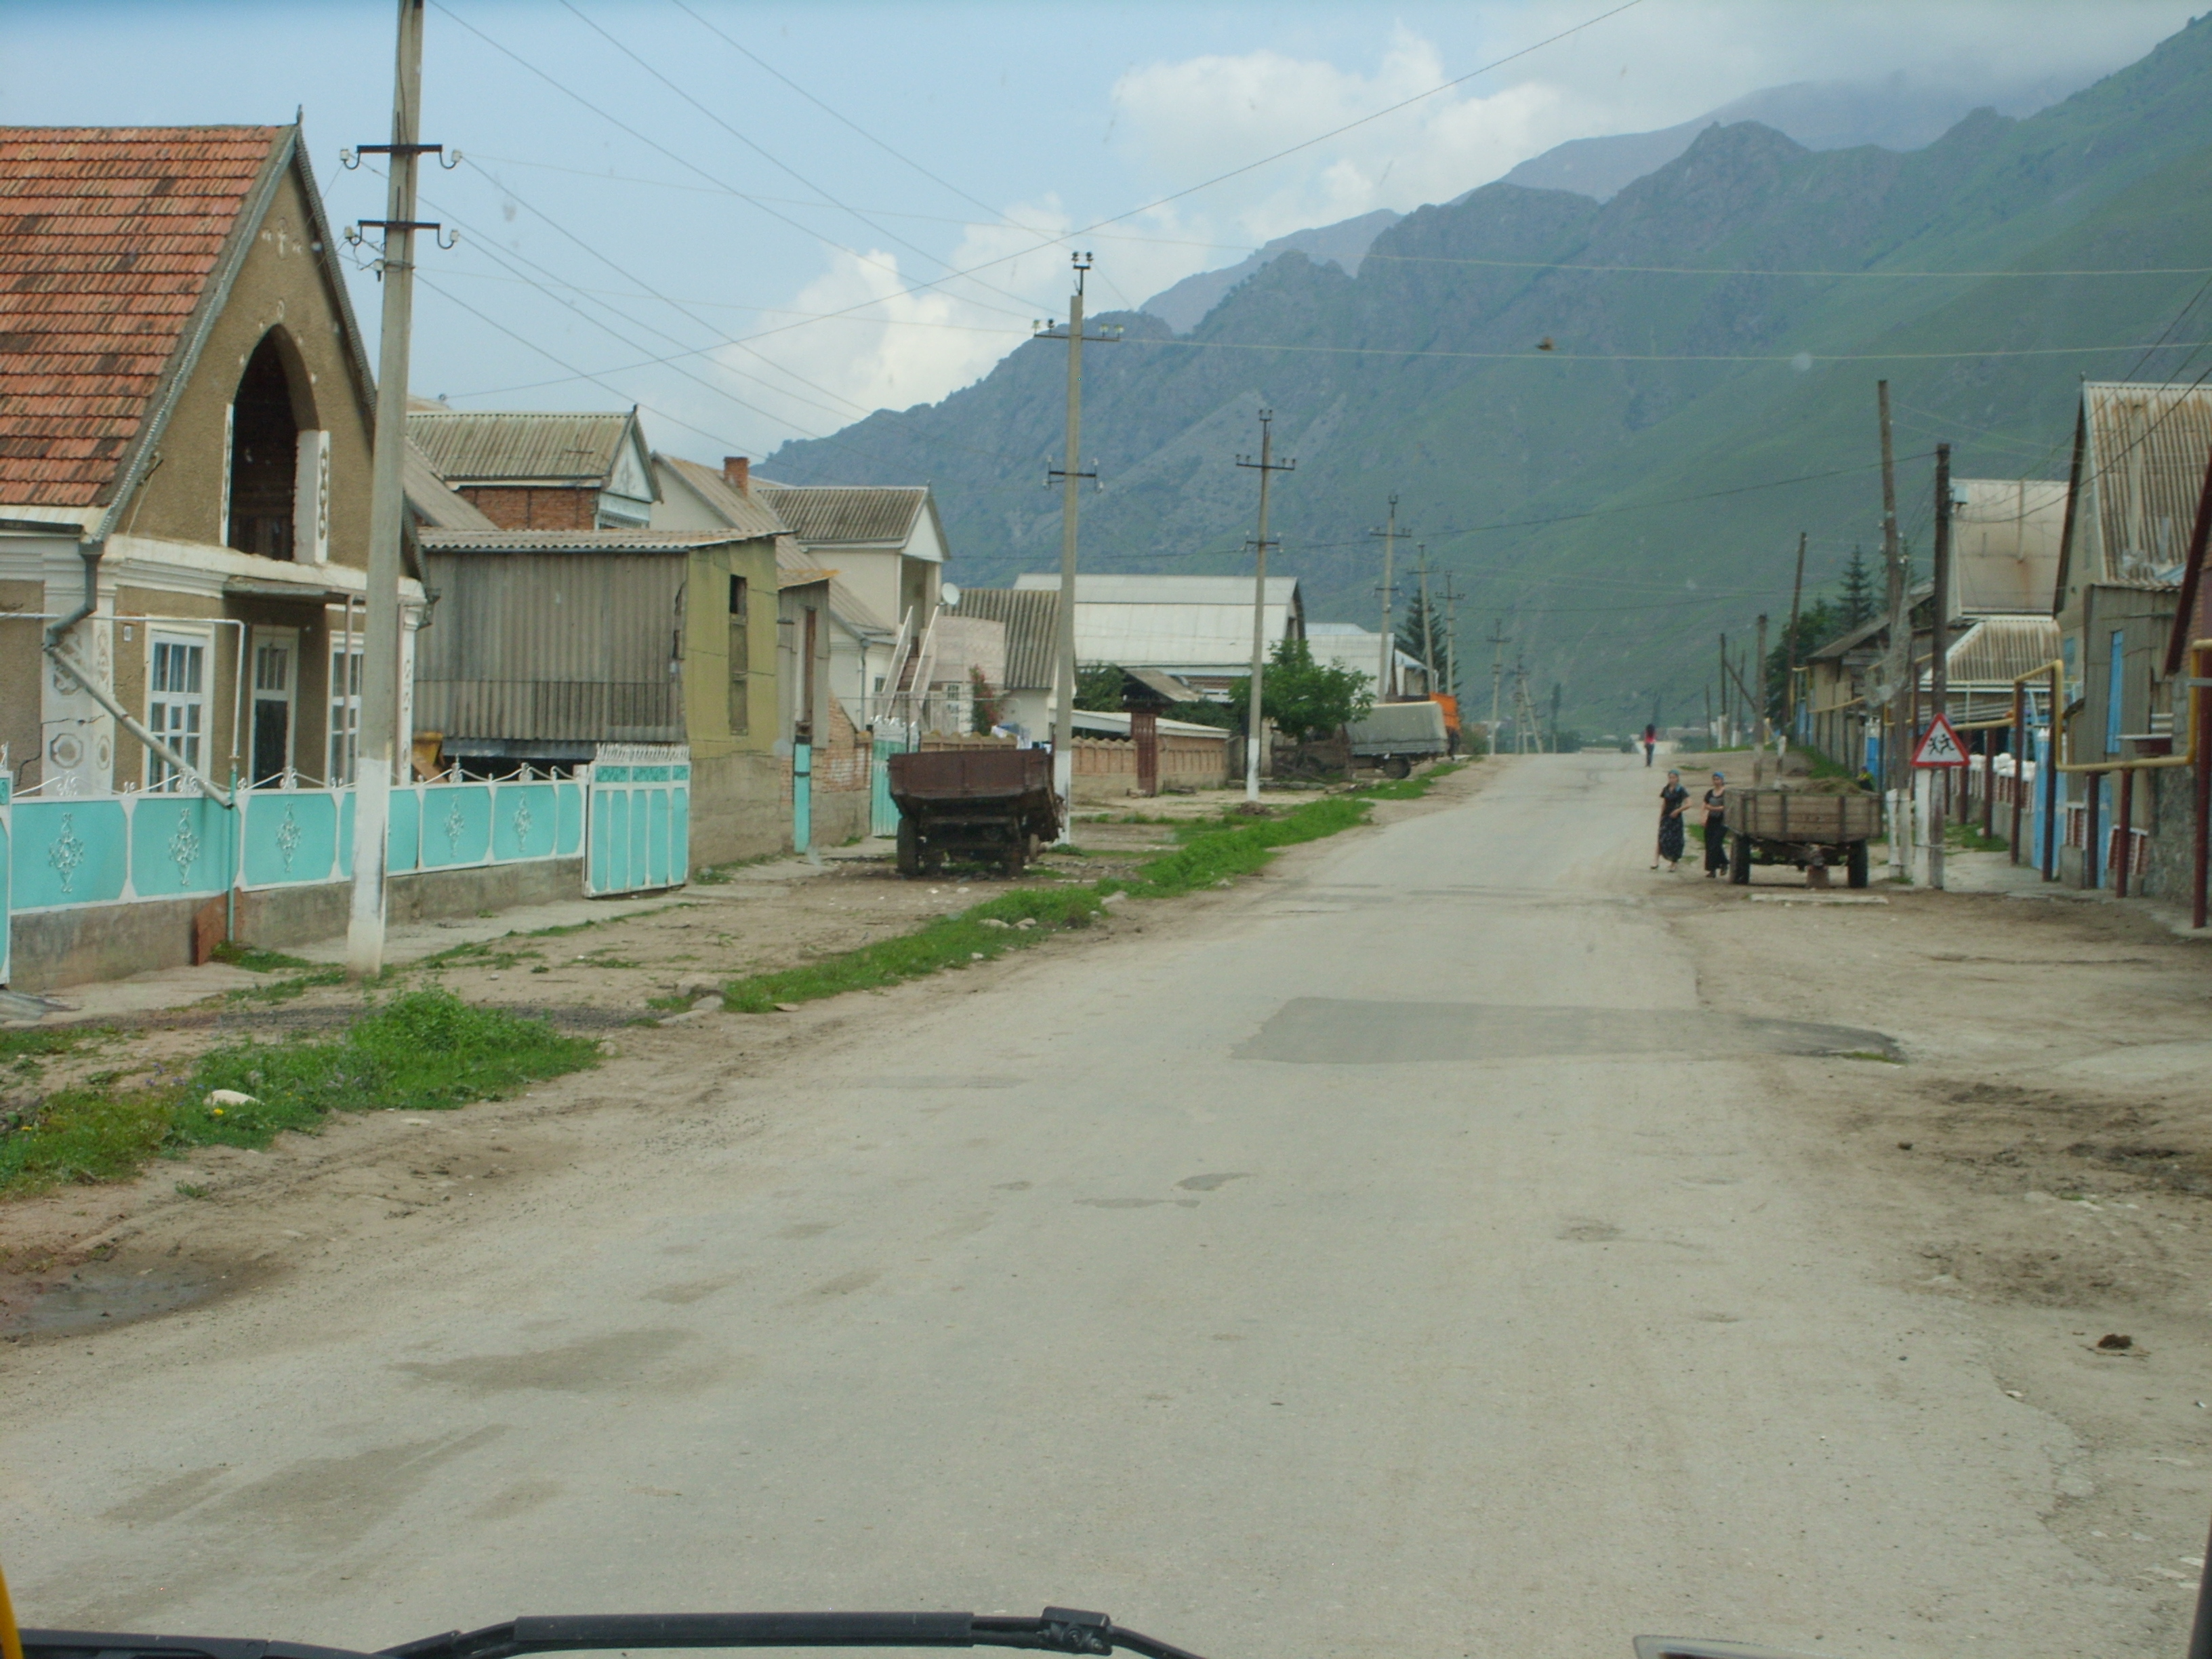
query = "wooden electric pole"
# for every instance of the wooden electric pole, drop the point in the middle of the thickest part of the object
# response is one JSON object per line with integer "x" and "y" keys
{"x": 1896, "y": 661}
{"x": 1267, "y": 466}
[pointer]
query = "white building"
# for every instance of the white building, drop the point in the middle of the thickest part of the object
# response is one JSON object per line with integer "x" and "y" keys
{"x": 1348, "y": 645}
{"x": 1197, "y": 628}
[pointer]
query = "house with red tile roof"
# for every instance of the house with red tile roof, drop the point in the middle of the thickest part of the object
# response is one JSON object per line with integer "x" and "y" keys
{"x": 186, "y": 415}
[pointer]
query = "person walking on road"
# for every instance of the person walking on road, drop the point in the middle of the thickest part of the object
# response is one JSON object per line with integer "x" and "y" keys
{"x": 1716, "y": 825}
{"x": 1650, "y": 743}
{"x": 1673, "y": 801}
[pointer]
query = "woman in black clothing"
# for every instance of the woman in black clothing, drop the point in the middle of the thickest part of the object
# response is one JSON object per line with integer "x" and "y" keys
{"x": 1716, "y": 825}
{"x": 1672, "y": 801}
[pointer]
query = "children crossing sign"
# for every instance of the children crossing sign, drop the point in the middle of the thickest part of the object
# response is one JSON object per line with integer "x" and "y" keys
{"x": 1939, "y": 746}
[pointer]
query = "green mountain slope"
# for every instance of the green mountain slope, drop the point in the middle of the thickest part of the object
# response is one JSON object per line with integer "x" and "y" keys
{"x": 1621, "y": 497}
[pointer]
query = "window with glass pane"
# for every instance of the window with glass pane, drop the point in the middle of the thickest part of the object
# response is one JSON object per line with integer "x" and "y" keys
{"x": 345, "y": 711}
{"x": 176, "y": 705}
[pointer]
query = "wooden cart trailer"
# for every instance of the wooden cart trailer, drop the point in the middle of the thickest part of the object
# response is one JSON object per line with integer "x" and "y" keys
{"x": 995, "y": 805}
{"x": 1811, "y": 829}
{"x": 1396, "y": 734}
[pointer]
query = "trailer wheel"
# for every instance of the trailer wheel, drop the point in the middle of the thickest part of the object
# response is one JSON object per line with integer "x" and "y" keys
{"x": 1857, "y": 863}
{"x": 1397, "y": 766}
{"x": 909, "y": 850}
{"x": 1739, "y": 861}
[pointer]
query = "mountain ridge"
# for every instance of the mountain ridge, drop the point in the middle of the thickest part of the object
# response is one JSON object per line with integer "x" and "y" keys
{"x": 1541, "y": 478}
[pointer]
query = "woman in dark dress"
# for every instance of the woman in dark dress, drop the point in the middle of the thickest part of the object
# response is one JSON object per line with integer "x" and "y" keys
{"x": 1672, "y": 801}
{"x": 1716, "y": 858}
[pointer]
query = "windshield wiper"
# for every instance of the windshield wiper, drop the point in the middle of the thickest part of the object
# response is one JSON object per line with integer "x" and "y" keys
{"x": 1056, "y": 1630}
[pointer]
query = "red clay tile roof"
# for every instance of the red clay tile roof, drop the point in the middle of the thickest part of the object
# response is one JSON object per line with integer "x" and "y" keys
{"x": 107, "y": 237}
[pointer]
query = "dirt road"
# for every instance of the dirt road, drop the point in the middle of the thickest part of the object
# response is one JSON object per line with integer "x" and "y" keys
{"x": 1459, "y": 1241}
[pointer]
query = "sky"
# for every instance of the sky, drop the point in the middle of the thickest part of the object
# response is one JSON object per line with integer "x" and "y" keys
{"x": 762, "y": 221}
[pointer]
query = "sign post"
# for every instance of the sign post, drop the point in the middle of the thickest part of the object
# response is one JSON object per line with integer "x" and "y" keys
{"x": 1939, "y": 746}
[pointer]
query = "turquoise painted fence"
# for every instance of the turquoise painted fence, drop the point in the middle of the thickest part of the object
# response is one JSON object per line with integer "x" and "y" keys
{"x": 120, "y": 849}
{"x": 883, "y": 812}
{"x": 638, "y": 830}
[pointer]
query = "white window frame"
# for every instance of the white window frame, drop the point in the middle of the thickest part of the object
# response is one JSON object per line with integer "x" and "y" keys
{"x": 344, "y": 695}
{"x": 178, "y": 715}
{"x": 259, "y": 640}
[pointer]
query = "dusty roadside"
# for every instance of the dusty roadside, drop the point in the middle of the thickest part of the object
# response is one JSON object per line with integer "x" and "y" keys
{"x": 2042, "y": 1157}
{"x": 222, "y": 1220}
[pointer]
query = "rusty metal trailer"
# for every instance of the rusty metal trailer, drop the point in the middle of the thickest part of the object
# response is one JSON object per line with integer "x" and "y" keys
{"x": 993, "y": 805}
{"x": 1812, "y": 829}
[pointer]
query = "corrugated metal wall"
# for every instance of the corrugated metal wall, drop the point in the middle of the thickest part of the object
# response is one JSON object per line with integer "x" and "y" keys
{"x": 573, "y": 645}
{"x": 2147, "y": 449}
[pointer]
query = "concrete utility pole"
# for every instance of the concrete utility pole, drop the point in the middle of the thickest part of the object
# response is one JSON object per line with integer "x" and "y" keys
{"x": 1428, "y": 623}
{"x": 1796, "y": 604}
{"x": 1390, "y": 535}
{"x": 1071, "y": 477}
{"x": 379, "y": 755}
{"x": 1267, "y": 466}
{"x": 1939, "y": 669}
{"x": 1497, "y": 674}
{"x": 1727, "y": 724}
{"x": 1451, "y": 638}
{"x": 1896, "y": 661}
{"x": 1762, "y": 729}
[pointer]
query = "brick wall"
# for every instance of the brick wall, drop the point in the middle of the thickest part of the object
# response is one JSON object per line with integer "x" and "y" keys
{"x": 528, "y": 507}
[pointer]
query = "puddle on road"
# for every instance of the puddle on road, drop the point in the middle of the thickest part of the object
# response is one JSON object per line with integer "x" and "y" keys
{"x": 1333, "y": 1031}
{"x": 100, "y": 1298}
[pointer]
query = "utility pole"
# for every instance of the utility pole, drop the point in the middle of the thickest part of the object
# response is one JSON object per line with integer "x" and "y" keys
{"x": 1451, "y": 640}
{"x": 1939, "y": 669}
{"x": 1497, "y": 674}
{"x": 1728, "y": 725}
{"x": 1266, "y": 466}
{"x": 1071, "y": 477}
{"x": 1762, "y": 729}
{"x": 1796, "y": 605}
{"x": 1390, "y": 535}
{"x": 379, "y": 755}
{"x": 1896, "y": 661}
{"x": 1428, "y": 628}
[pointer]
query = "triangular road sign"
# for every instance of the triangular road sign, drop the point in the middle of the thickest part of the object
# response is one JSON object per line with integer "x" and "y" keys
{"x": 1939, "y": 746}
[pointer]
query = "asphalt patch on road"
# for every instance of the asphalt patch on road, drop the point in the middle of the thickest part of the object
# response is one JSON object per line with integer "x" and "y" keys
{"x": 1341, "y": 1031}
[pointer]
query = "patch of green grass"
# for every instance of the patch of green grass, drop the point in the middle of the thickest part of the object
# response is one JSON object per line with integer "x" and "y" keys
{"x": 948, "y": 942}
{"x": 254, "y": 959}
{"x": 283, "y": 990}
{"x": 1213, "y": 850}
{"x": 426, "y": 1051}
{"x": 1411, "y": 788}
{"x": 38, "y": 1044}
{"x": 1969, "y": 838}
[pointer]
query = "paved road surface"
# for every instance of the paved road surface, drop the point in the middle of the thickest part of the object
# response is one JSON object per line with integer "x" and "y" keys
{"x": 1154, "y": 1281}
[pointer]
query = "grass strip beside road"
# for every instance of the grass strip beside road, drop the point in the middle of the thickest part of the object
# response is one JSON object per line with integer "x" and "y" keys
{"x": 426, "y": 1051}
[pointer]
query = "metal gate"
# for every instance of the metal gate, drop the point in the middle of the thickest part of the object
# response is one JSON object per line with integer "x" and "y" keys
{"x": 638, "y": 825}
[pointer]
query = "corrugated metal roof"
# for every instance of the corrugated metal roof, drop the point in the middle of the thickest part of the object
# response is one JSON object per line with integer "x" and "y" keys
{"x": 1997, "y": 649}
{"x": 745, "y": 513}
{"x": 2004, "y": 544}
{"x": 108, "y": 236}
{"x": 823, "y": 514}
{"x": 1031, "y": 620}
{"x": 519, "y": 446}
{"x": 1185, "y": 624}
{"x": 436, "y": 505}
{"x": 2142, "y": 469}
{"x": 573, "y": 541}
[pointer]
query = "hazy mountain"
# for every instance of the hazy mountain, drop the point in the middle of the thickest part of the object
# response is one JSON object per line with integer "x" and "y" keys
{"x": 1618, "y": 499}
{"x": 1894, "y": 113}
{"x": 1344, "y": 243}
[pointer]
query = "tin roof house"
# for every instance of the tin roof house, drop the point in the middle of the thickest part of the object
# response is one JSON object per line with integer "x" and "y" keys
{"x": 1197, "y": 628}
{"x": 528, "y": 469}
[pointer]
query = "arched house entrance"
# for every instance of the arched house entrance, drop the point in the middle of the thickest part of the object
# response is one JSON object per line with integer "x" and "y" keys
{"x": 277, "y": 497}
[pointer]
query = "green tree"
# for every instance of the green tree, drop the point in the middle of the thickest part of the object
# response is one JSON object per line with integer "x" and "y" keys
{"x": 1304, "y": 698}
{"x": 1856, "y": 602}
{"x": 1098, "y": 688}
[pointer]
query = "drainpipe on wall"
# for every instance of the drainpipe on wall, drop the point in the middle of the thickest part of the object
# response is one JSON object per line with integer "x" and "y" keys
{"x": 91, "y": 551}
